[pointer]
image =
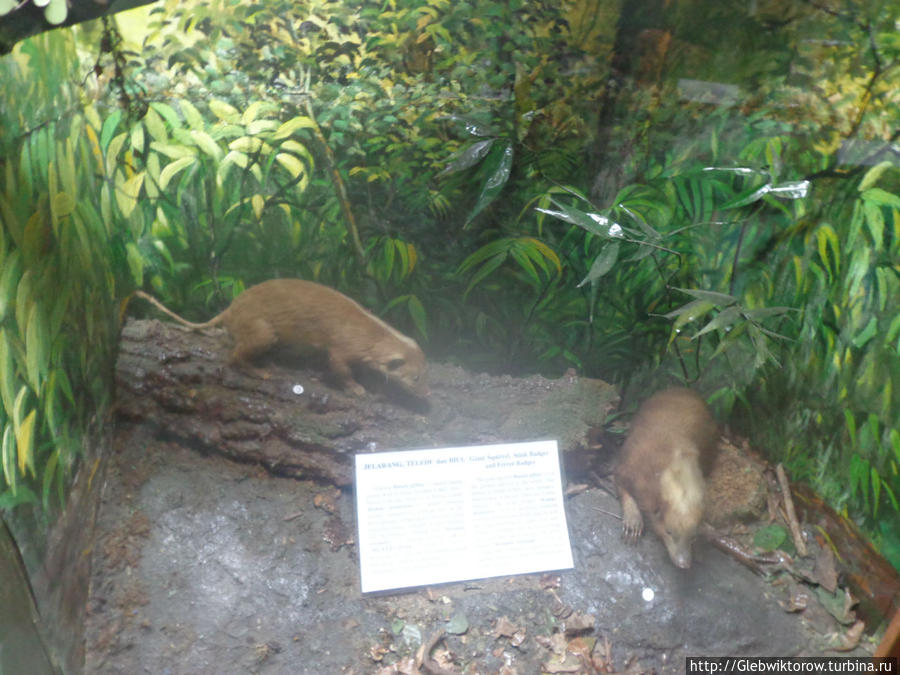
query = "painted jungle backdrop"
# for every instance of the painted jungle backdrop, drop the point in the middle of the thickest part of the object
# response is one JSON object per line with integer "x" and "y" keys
{"x": 647, "y": 191}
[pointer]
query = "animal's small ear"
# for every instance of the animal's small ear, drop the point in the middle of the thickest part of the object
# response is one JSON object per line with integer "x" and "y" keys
{"x": 395, "y": 363}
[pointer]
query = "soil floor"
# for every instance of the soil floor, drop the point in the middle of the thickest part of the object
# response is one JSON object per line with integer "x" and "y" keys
{"x": 202, "y": 565}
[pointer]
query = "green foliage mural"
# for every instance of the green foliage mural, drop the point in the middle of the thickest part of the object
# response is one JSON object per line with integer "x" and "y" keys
{"x": 647, "y": 192}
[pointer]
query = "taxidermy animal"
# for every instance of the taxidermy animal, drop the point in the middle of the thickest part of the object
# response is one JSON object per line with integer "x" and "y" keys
{"x": 672, "y": 440}
{"x": 304, "y": 314}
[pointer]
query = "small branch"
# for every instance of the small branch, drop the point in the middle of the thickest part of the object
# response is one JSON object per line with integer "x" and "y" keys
{"x": 340, "y": 186}
{"x": 429, "y": 664}
{"x": 789, "y": 508}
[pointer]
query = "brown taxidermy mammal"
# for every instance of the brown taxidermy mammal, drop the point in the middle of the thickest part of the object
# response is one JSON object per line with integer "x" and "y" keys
{"x": 299, "y": 313}
{"x": 672, "y": 440}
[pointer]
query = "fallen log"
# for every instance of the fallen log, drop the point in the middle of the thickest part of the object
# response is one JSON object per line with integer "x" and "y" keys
{"x": 296, "y": 423}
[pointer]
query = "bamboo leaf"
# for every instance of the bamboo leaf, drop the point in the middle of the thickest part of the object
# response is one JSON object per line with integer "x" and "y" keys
{"x": 721, "y": 299}
{"x": 300, "y": 150}
{"x": 501, "y": 157}
{"x": 155, "y": 126}
{"x": 173, "y": 168}
{"x": 250, "y": 145}
{"x": 7, "y": 374}
{"x": 253, "y": 110}
{"x": 152, "y": 186}
{"x": 260, "y": 126}
{"x": 689, "y": 312}
{"x": 881, "y": 197}
{"x": 486, "y": 269}
{"x": 873, "y": 174}
{"x": 9, "y": 457}
{"x": 109, "y": 128}
{"x": 37, "y": 347}
{"x": 206, "y": 143}
{"x": 224, "y": 111}
{"x": 417, "y": 312}
{"x": 173, "y": 151}
{"x": 603, "y": 263}
{"x": 191, "y": 114}
{"x": 874, "y": 218}
{"x": 137, "y": 138}
{"x": 468, "y": 157}
{"x": 135, "y": 263}
{"x": 112, "y": 153}
{"x": 25, "y": 442}
{"x": 525, "y": 263}
{"x": 127, "y": 193}
{"x": 293, "y": 165}
{"x": 10, "y": 273}
{"x": 292, "y": 125}
{"x": 258, "y": 203}
{"x": 168, "y": 113}
{"x": 723, "y": 320}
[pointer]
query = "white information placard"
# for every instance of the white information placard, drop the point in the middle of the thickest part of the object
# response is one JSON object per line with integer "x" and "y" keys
{"x": 451, "y": 514}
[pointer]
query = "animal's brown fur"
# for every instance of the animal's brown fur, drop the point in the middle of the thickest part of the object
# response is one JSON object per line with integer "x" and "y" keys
{"x": 305, "y": 314}
{"x": 671, "y": 443}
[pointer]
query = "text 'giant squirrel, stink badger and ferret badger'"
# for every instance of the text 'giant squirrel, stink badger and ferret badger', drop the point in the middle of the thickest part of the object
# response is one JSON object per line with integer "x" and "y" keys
{"x": 670, "y": 446}
{"x": 304, "y": 314}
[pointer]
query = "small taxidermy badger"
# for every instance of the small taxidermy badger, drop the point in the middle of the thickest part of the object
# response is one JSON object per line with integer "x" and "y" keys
{"x": 304, "y": 314}
{"x": 672, "y": 440}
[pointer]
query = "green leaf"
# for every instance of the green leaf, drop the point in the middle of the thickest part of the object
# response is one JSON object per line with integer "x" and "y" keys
{"x": 191, "y": 114}
{"x": 293, "y": 165}
{"x": 206, "y": 143}
{"x": 866, "y": 334}
{"x": 468, "y": 157}
{"x": 8, "y": 456}
{"x": 173, "y": 168}
{"x": 721, "y": 299}
{"x": 224, "y": 111}
{"x": 10, "y": 500}
{"x": 723, "y": 320}
{"x": 500, "y": 167}
{"x": 260, "y": 126}
{"x": 485, "y": 270}
{"x": 109, "y": 128}
{"x": 10, "y": 273}
{"x": 127, "y": 193}
{"x": 168, "y": 113}
{"x": 689, "y": 312}
{"x": 881, "y": 197}
{"x": 135, "y": 263}
{"x": 769, "y": 538}
{"x": 173, "y": 151}
{"x": 25, "y": 443}
{"x": 112, "y": 153}
{"x": 874, "y": 218}
{"x": 417, "y": 312}
{"x": 603, "y": 263}
{"x": 156, "y": 126}
{"x": 37, "y": 347}
{"x": 292, "y": 125}
{"x": 7, "y": 374}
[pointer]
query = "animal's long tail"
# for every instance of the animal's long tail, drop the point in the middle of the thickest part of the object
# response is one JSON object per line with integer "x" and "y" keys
{"x": 161, "y": 307}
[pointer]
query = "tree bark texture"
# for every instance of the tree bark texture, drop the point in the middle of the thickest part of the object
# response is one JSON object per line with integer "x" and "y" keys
{"x": 296, "y": 423}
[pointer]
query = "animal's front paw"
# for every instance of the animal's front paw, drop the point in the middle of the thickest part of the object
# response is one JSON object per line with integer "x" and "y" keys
{"x": 356, "y": 389}
{"x": 632, "y": 522}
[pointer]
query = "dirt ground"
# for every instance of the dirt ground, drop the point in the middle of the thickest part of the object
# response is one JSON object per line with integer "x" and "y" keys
{"x": 204, "y": 565}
